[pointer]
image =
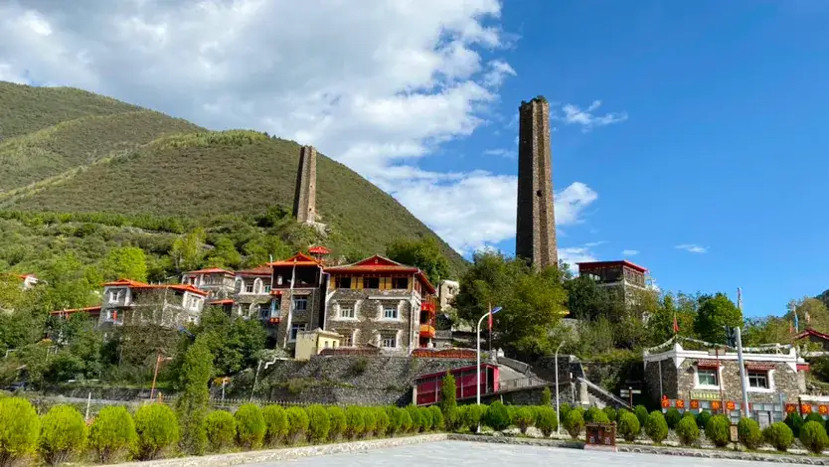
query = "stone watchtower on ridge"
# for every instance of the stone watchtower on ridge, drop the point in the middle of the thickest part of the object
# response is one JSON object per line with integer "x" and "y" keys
{"x": 305, "y": 199}
{"x": 535, "y": 236}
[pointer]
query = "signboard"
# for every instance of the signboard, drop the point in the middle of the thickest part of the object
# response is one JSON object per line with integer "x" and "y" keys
{"x": 805, "y": 408}
{"x": 694, "y": 404}
{"x": 705, "y": 395}
{"x": 790, "y": 408}
{"x": 680, "y": 403}
{"x": 823, "y": 409}
{"x": 715, "y": 405}
{"x": 628, "y": 392}
{"x": 600, "y": 436}
{"x": 730, "y": 406}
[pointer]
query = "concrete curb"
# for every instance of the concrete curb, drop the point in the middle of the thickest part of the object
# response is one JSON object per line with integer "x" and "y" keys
{"x": 274, "y": 455}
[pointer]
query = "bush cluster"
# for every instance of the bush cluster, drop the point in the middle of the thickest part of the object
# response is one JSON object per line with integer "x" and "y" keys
{"x": 717, "y": 430}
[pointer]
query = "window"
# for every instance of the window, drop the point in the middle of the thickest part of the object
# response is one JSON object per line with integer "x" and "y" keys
{"x": 295, "y": 329}
{"x": 278, "y": 280}
{"x": 300, "y": 303}
{"x": 347, "y": 311}
{"x": 268, "y": 288}
{"x": 248, "y": 287}
{"x": 343, "y": 282}
{"x": 707, "y": 377}
{"x": 116, "y": 296}
{"x": 388, "y": 341}
{"x": 400, "y": 283}
{"x": 389, "y": 312}
{"x": 346, "y": 341}
{"x": 265, "y": 310}
{"x": 758, "y": 379}
{"x": 371, "y": 282}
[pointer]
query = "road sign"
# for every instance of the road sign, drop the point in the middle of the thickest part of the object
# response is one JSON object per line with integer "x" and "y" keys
{"x": 627, "y": 392}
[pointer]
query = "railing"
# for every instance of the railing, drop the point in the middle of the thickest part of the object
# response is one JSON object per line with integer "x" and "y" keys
{"x": 604, "y": 392}
{"x": 520, "y": 383}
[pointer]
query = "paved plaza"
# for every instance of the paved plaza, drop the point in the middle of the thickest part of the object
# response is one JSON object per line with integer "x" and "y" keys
{"x": 462, "y": 453}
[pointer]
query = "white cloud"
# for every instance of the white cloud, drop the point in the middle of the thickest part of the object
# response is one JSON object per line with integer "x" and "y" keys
{"x": 630, "y": 252}
{"x": 594, "y": 244}
{"x": 377, "y": 87}
{"x": 587, "y": 118}
{"x": 501, "y": 152}
{"x": 573, "y": 255}
{"x": 692, "y": 248}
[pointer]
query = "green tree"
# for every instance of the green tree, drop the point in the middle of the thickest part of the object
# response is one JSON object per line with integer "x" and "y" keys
{"x": 224, "y": 254}
{"x": 532, "y": 301}
{"x": 188, "y": 250}
{"x": 425, "y": 253}
{"x": 125, "y": 263}
{"x": 19, "y": 429}
{"x": 234, "y": 342}
{"x": 716, "y": 312}
{"x": 112, "y": 433}
{"x": 71, "y": 284}
{"x": 192, "y": 404}
{"x": 63, "y": 434}
{"x": 448, "y": 400}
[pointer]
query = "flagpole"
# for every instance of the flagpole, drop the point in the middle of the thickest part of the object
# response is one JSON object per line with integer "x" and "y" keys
{"x": 490, "y": 330}
{"x": 290, "y": 307}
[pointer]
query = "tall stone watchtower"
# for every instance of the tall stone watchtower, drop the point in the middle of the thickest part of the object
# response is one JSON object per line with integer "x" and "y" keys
{"x": 305, "y": 199}
{"x": 535, "y": 236}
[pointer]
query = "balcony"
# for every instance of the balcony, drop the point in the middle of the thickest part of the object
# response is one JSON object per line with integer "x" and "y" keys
{"x": 428, "y": 307}
{"x": 427, "y": 331}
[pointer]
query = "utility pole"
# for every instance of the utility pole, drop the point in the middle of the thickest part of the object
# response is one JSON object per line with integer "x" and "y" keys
{"x": 739, "y": 336}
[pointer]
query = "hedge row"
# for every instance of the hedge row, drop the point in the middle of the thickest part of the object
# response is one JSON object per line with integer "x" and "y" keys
{"x": 153, "y": 431}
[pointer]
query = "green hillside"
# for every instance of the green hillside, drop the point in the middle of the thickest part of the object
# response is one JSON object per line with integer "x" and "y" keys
{"x": 97, "y": 155}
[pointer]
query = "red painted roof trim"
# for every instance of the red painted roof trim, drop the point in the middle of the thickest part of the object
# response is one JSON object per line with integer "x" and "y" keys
{"x": 89, "y": 309}
{"x": 210, "y": 271}
{"x": 627, "y": 263}
{"x": 811, "y": 332}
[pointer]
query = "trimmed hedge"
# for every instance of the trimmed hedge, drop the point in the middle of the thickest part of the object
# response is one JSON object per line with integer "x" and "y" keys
{"x": 687, "y": 430}
{"x": 112, "y": 434}
{"x": 355, "y": 422}
{"x": 794, "y": 421}
{"x": 157, "y": 429}
{"x": 19, "y": 429}
{"x": 437, "y": 418}
{"x": 813, "y": 436}
{"x": 779, "y": 435}
{"x": 382, "y": 421}
{"x": 63, "y": 434}
{"x": 656, "y": 427}
{"x": 417, "y": 421}
{"x": 396, "y": 419}
{"x": 628, "y": 426}
{"x": 319, "y": 423}
{"x": 672, "y": 417}
{"x": 573, "y": 423}
{"x": 642, "y": 414}
{"x": 524, "y": 418}
{"x": 702, "y": 419}
{"x": 221, "y": 430}
{"x": 717, "y": 430}
{"x": 545, "y": 420}
{"x": 337, "y": 419}
{"x": 497, "y": 416}
{"x": 298, "y": 424}
{"x": 250, "y": 426}
{"x": 749, "y": 433}
{"x": 276, "y": 424}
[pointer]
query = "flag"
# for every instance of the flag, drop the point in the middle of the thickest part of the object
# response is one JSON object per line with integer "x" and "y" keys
{"x": 490, "y": 319}
{"x": 676, "y": 325}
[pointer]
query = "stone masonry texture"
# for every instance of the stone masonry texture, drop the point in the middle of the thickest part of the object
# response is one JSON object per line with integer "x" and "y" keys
{"x": 535, "y": 236}
{"x": 305, "y": 199}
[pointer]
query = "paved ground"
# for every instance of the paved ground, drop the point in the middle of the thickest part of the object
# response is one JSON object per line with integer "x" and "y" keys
{"x": 460, "y": 453}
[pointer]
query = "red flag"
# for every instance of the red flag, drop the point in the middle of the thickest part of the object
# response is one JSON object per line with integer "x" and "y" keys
{"x": 490, "y": 320}
{"x": 676, "y": 325}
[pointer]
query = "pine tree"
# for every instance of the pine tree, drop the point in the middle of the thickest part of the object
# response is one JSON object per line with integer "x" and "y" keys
{"x": 192, "y": 406}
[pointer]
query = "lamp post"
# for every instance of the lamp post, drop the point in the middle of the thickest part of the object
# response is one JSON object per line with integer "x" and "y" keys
{"x": 478, "y": 353}
{"x": 558, "y": 417}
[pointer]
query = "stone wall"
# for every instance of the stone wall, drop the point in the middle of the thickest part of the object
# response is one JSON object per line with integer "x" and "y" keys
{"x": 368, "y": 325}
{"x": 305, "y": 197}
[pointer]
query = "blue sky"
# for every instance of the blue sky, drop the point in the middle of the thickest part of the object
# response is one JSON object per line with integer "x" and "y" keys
{"x": 723, "y": 146}
{"x": 688, "y": 133}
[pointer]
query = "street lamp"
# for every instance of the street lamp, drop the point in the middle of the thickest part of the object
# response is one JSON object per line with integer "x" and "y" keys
{"x": 478, "y": 342}
{"x": 558, "y": 417}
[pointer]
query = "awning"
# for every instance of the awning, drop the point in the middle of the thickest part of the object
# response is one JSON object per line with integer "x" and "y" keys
{"x": 759, "y": 366}
{"x": 707, "y": 364}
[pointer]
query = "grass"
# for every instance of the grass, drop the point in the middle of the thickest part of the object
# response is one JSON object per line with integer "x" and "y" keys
{"x": 68, "y": 151}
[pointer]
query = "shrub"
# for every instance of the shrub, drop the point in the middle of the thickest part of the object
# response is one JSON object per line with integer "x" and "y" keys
{"x": 448, "y": 402}
{"x": 656, "y": 427}
{"x": 497, "y": 416}
{"x": 250, "y": 426}
{"x": 794, "y": 421}
{"x": 545, "y": 420}
{"x": 749, "y": 433}
{"x": 573, "y": 423}
{"x": 600, "y": 417}
{"x": 437, "y": 418}
{"x": 192, "y": 405}
{"x": 591, "y": 414}
{"x": 369, "y": 422}
{"x": 63, "y": 433}
{"x": 610, "y": 412}
{"x": 382, "y": 419}
{"x": 425, "y": 418}
{"x": 779, "y": 435}
{"x": 672, "y": 417}
{"x": 628, "y": 425}
{"x": 220, "y": 427}
{"x": 276, "y": 424}
{"x": 298, "y": 424}
{"x": 405, "y": 421}
{"x": 395, "y": 419}
{"x": 546, "y": 396}
{"x": 687, "y": 430}
{"x": 157, "y": 429}
{"x": 414, "y": 414}
{"x": 524, "y": 418}
{"x": 702, "y": 419}
{"x": 337, "y": 418}
{"x": 19, "y": 429}
{"x": 717, "y": 430}
{"x": 642, "y": 414}
{"x": 355, "y": 422}
{"x": 813, "y": 417}
{"x": 112, "y": 433}
{"x": 319, "y": 423}
{"x": 563, "y": 409}
{"x": 813, "y": 436}
{"x": 470, "y": 416}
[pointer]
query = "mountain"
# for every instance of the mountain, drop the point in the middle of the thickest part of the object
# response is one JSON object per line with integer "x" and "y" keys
{"x": 69, "y": 151}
